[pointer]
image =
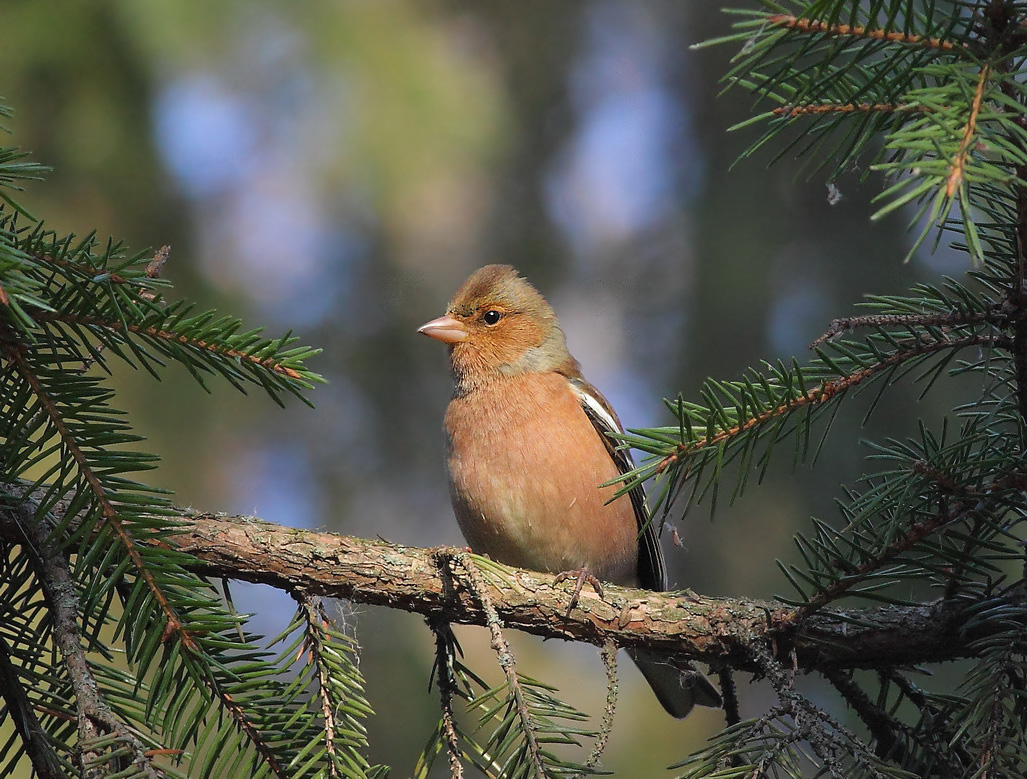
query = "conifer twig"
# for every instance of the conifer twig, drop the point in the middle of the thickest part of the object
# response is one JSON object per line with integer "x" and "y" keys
{"x": 803, "y": 24}
{"x": 729, "y": 694}
{"x": 969, "y": 503}
{"x": 824, "y": 733}
{"x": 732, "y": 715}
{"x": 609, "y": 655}
{"x": 917, "y": 531}
{"x": 958, "y": 167}
{"x": 110, "y": 514}
{"x": 447, "y": 689}
{"x": 948, "y": 747}
{"x": 166, "y": 335}
{"x": 500, "y": 646}
{"x": 174, "y": 626}
{"x": 804, "y": 109}
{"x": 311, "y": 606}
{"x": 95, "y": 717}
{"x": 994, "y": 315}
{"x": 80, "y": 268}
{"x": 827, "y": 391}
{"x": 884, "y": 728}
{"x": 21, "y": 712}
{"x": 1001, "y": 16}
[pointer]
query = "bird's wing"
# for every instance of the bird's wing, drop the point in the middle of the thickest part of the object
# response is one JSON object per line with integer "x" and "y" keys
{"x": 652, "y": 574}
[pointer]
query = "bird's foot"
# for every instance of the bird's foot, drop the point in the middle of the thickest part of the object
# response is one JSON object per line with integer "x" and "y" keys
{"x": 580, "y": 578}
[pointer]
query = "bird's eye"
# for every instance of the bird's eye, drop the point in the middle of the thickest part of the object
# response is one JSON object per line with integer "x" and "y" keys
{"x": 491, "y": 317}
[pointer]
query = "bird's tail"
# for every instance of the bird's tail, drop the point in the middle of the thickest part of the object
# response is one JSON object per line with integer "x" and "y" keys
{"x": 678, "y": 684}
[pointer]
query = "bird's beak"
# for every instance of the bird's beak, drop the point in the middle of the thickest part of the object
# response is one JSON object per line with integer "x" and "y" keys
{"x": 446, "y": 328}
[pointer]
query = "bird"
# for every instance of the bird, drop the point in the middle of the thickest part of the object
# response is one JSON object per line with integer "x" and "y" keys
{"x": 528, "y": 451}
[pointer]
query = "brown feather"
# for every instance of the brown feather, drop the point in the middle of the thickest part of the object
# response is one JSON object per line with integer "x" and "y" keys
{"x": 499, "y": 444}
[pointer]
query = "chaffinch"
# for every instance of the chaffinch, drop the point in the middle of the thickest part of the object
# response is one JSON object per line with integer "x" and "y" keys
{"x": 528, "y": 449}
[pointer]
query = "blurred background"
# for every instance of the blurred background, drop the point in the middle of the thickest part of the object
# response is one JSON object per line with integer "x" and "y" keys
{"x": 338, "y": 168}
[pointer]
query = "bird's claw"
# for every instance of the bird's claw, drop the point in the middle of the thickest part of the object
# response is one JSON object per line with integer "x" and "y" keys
{"x": 580, "y": 577}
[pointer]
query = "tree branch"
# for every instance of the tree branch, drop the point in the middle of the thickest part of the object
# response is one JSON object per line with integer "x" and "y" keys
{"x": 803, "y": 24}
{"x": 715, "y": 630}
{"x": 885, "y": 729}
{"x": 95, "y": 716}
{"x": 912, "y": 348}
{"x": 447, "y": 691}
{"x": 161, "y": 334}
{"x": 995, "y": 315}
{"x": 19, "y": 708}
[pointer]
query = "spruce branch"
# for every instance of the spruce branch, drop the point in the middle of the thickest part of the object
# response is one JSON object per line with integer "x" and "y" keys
{"x": 732, "y": 715}
{"x": 315, "y": 619}
{"x": 324, "y": 702}
{"x": 910, "y": 349}
{"x": 915, "y": 533}
{"x": 199, "y": 344}
{"x": 82, "y": 271}
{"x": 96, "y": 720}
{"x": 933, "y": 731}
{"x": 807, "y": 109}
{"x": 21, "y": 711}
{"x": 110, "y": 514}
{"x": 757, "y": 747}
{"x": 922, "y": 78}
{"x": 716, "y": 630}
{"x": 815, "y": 26}
{"x": 994, "y": 719}
{"x": 1019, "y": 297}
{"x": 311, "y": 609}
{"x": 1003, "y": 21}
{"x": 609, "y": 656}
{"x": 445, "y": 559}
{"x": 456, "y": 681}
{"x": 833, "y": 743}
{"x": 971, "y": 504}
{"x": 154, "y": 268}
{"x": 995, "y": 315}
{"x": 446, "y": 676}
{"x": 958, "y": 166}
{"x": 729, "y": 694}
{"x": 885, "y": 729}
{"x": 958, "y": 571}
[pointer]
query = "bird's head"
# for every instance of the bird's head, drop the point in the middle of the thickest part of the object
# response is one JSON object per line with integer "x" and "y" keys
{"x": 499, "y": 325}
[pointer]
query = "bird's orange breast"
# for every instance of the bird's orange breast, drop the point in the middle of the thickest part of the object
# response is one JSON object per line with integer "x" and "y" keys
{"x": 525, "y": 465}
